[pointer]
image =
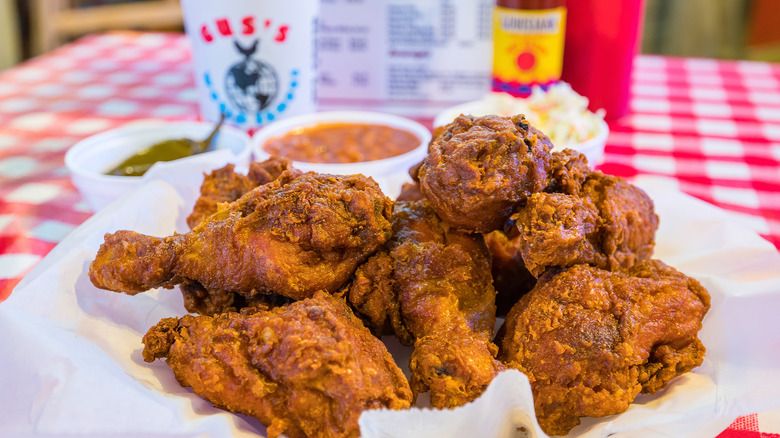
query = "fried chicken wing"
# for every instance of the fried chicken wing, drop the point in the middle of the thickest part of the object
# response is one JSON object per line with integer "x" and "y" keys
{"x": 558, "y": 230}
{"x": 597, "y": 219}
{"x": 433, "y": 287}
{"x": 480, "y": 169}
{"x": 307, "y": 369}
{"x": 225, "y": 185}
{"x": 582, "y": 216}
{"x": 293, "y": 236}
{"x": 590, "y": 340}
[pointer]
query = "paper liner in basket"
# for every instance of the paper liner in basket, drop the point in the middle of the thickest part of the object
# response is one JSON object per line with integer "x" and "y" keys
{"x": 70, "y": 353}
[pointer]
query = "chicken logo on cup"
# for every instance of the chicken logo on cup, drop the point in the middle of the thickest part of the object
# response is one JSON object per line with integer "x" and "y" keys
{"x": 251, "y": 84}
{"x": 254, "y": 60}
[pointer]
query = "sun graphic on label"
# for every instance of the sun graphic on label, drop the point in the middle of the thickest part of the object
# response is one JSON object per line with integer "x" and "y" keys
{"x": 528, "y": 55}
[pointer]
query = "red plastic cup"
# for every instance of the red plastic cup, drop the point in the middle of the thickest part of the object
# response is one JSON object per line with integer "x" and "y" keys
{"x": 602, "y": 39}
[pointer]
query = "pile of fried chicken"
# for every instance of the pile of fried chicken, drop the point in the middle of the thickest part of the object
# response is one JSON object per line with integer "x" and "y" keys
{"x": 292, "y": 277}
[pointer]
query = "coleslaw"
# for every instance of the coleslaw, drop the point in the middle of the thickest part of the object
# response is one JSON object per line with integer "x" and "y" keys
{"x": 559, "y": 112}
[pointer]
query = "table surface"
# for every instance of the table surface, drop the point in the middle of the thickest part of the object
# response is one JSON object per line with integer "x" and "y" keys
{"x": 712, "y": 127}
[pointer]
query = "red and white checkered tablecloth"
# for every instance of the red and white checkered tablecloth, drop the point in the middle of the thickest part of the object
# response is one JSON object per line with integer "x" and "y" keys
{"x": 711, "y": 126}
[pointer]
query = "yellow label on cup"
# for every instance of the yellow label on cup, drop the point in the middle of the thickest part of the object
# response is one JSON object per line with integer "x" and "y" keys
{"x": 528, "y": 46}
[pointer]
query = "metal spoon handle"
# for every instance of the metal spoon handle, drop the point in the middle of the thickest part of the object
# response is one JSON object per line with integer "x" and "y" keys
{"x": 204, "y": 145}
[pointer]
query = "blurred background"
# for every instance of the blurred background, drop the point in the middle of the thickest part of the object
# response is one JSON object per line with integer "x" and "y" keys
{"x": 724, "y": 29}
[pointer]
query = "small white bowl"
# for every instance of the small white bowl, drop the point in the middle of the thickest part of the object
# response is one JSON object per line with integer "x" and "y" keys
{"x": 90, "y": 158}
{"x": 593, "y": 148}
{"x": 390, "y": 173}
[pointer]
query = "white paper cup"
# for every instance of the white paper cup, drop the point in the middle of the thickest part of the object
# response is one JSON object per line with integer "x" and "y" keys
{"x": 254, "y": 60}
{"x": 90, "y": 159}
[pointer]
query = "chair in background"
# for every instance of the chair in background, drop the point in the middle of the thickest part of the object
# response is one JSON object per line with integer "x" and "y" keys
{"x": 700, "y": 28}
{"x": 10, "y": 36}
{"x": 54, "y": 22}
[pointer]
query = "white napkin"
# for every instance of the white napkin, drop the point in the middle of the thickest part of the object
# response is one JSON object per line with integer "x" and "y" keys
{"x": 71, "y": 363}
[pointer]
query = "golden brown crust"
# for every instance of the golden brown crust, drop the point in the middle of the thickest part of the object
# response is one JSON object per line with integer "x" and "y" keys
{"x": 568, "y": 171}
{"x": 307, "y": 369}
{"x": 480, "y": 169}
{"x": 225, "y": 185}
{"x": 372, "y": 293}
{"x": 292, "y": 236}
{"x": 433, "y": 286}
{"x": 130, "y": 262}
{"x": 558, "y": 230}
{"x": 590, "y": 340}
{"x": 608, "y": 223}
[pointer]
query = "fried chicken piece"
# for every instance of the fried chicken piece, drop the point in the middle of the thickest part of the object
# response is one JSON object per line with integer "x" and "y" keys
{"x": 410, "y": 192}
{"x": 225, "y": 185}
{"x": 480, "y": 169}
{"x": 510, "y": 276}
{"x": 307, "y": 369}
{"x": 448, "y": 305}
{"x": 629, "y": 222}
{"x": 198, "y": 299}
{"x": 293, "y": 236}
{"x": 433, "y": 287}
{"x": 590, "y": 340}
{"x": 582, "y": 217}
{"x": 568, "y": 171}
{"x": 558, "y": 230}
{"x": 609, "y": 223}
{"x": 372, "y": 294}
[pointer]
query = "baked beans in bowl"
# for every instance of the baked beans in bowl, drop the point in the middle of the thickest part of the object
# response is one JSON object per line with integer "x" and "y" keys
{"x": 382, "y": 146}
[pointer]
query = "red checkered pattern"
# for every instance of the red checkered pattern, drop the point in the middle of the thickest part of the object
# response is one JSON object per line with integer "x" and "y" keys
{"x": 49, "y": 103}
{"x": 711, "y": 126}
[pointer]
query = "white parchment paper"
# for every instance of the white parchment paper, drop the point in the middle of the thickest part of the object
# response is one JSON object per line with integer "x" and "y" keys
{"x": 70, "y": 354}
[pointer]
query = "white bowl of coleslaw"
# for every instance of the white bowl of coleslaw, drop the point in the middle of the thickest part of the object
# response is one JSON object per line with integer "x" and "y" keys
{"x": 559, "y": 112}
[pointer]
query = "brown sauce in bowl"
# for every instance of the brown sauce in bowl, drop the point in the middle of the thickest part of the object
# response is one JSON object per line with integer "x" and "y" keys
{"x": 342, "y": 143}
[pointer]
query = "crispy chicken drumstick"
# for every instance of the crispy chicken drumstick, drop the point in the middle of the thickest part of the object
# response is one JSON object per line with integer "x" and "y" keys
{"x": 293, "y": 236}
{"x": 433, "y": 287}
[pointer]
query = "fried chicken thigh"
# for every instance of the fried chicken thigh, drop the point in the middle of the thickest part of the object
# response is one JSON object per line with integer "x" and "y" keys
{"x": 293, "y": 236}
{"x": 225, "y": 185}
{"x": 590, "y": 340}
{"x": 307, "y": 369}
{"x": 480, "y": 169}
{"x": 433, "y": 287}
